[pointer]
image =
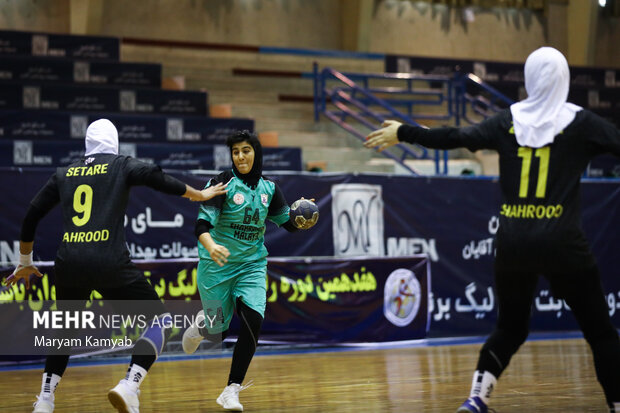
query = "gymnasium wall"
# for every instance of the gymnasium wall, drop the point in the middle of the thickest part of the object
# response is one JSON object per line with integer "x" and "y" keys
{"x": 397, "y": 27}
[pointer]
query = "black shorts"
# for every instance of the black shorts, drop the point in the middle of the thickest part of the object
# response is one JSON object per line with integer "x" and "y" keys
{"x": 138, "y": 296}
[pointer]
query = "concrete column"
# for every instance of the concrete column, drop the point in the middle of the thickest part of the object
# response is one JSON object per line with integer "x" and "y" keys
{"x": 86, "y": 16}
{"x": 581, "y": 29}
{"x": 356, "y": 16}
{"x": 557, "y": 25}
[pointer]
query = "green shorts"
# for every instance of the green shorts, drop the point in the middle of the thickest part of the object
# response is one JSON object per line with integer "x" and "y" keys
{"x": 220, "y": 287}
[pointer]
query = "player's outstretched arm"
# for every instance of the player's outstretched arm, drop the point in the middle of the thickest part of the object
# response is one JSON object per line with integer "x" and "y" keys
{"x": 25, "y": 268}
{"x": 195, "y": 195}
{"x": 385, "y": 137}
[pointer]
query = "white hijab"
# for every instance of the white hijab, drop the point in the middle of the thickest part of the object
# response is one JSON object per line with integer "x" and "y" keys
{"x": 545, "y": 113}
{"x": 101, "y": 137}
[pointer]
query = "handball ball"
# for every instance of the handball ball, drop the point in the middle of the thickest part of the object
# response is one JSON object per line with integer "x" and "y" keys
{"x": 304, "y": 213}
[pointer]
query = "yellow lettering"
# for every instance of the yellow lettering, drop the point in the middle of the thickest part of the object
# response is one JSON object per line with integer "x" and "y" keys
{"x": 74, "y": 237}
{"x": 97, "y": 169}
{"x": 70, "y": 172}
{"x": 105, "y": 234}
{"x": 89, "y": 236}
{"x": 504, "y": 209}
{"x": 89, "y": 171}
{"x": 530, "y": 211}
{"x": 65, "y": 237}
{"x": 104, "y": 168}
{"x": 550, "y": 211}
{"x": 81, "y": 237}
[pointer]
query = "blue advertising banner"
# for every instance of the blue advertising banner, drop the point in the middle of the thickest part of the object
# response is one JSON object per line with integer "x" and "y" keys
{"x": 357, "y": 300}
{"x": 99, "y": 99}
{"x": 46, "y": 70}
{"x": 452, "y": 220}
{"x": 14, "y": 42}
{"x": 55, "y": 126}
{"x": 353, "y": 299}
{"x": 25, "y": 153}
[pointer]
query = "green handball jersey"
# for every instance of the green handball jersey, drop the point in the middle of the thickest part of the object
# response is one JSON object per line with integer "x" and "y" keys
{"x": 238, "y": 220}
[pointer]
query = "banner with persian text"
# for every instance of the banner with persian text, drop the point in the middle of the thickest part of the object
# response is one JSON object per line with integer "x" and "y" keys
{"x": 349, "y": 300}
{"x": 132, "y": 128}
{"x": 79, "y": 98}
{"x": 60, "y": 71}
{"x": 452, "y": 220}
{"x": 21, "y": 43}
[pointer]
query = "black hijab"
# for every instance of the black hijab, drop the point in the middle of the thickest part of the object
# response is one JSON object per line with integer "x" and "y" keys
{"x": 251, "y": 178}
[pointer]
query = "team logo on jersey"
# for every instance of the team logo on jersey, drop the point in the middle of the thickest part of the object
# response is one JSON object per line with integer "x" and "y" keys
{"x": 401, "y": 297}
{"x": 238, "y": 199}
{"x": 264, "y": 199}
{"x": 89, "y": 160}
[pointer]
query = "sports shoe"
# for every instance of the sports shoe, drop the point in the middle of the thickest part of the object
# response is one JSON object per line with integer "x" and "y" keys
{"x": 124, "y": 399}
{"x": 473, "y": 405}
{"x": 43, "y": 405}
{"x": 229, "y": 399}
{"x": 191, "y": 336}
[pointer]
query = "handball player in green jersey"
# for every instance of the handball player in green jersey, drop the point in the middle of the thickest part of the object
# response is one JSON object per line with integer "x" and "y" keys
{"x": 233, "y": 259}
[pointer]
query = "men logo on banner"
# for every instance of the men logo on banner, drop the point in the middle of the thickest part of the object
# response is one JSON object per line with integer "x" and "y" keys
{"x": 40, "y": 44}
{"x": 357, "y": 226}
{"x": 174, "y": 129}
{"x": 128, "y": 101}
{"x": 78, "y": 126}
{"x": 31, "y": 97}
{"x": 221, "y": 157}
{"x": 402, "y": 297}
{"x": 22, "y": 152}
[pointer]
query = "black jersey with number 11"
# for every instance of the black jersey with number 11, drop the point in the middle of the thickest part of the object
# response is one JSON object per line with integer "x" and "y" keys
{"x": 540, "y": 218}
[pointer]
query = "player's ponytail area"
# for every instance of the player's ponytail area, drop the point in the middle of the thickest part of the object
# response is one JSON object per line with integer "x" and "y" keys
{"x": 369, "y": 352}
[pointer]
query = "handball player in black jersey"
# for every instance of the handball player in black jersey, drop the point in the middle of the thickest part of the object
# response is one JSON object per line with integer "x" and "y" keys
{"x": 93, "y": 255}
{"x": 544, "y": 145}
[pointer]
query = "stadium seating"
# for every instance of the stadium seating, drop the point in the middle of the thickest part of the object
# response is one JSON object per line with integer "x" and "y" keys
{"x": 53, "y": 86}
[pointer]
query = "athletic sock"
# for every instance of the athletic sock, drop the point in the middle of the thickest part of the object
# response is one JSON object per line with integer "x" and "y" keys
{"x": 482, "y": 385}
{"x": 134, "y": 377}
{"x": 48, "y": 385}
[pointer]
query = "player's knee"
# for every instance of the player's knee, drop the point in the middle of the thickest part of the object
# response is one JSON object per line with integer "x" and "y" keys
{"x": 214, "y": 338}
{"x": 250, "y": 319}
{"x": 157, "y": 332}
{"x": 511, "y": 337}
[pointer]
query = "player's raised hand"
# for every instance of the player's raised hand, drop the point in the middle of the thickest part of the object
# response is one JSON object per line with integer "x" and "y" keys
{"x": 214, "y": 190}
{"x": 385, "y": 137}
{"x": 22, "y": 272}
{"x": 195, "y": 195}
{"x": 219, "y": 254}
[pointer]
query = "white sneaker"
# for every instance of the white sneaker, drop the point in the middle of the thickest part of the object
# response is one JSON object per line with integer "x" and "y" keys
{"x": 229, "y": 399}
{"x": 191, "y": 336}
{"x": 124, "y": 399}
{"x": 43, "y": 405}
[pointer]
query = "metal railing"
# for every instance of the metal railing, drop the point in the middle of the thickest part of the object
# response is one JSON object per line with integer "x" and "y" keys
{"x": 357, "y": 101}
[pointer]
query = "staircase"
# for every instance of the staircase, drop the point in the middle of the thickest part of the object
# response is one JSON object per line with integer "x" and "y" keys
{"x": 279, "y": 99}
